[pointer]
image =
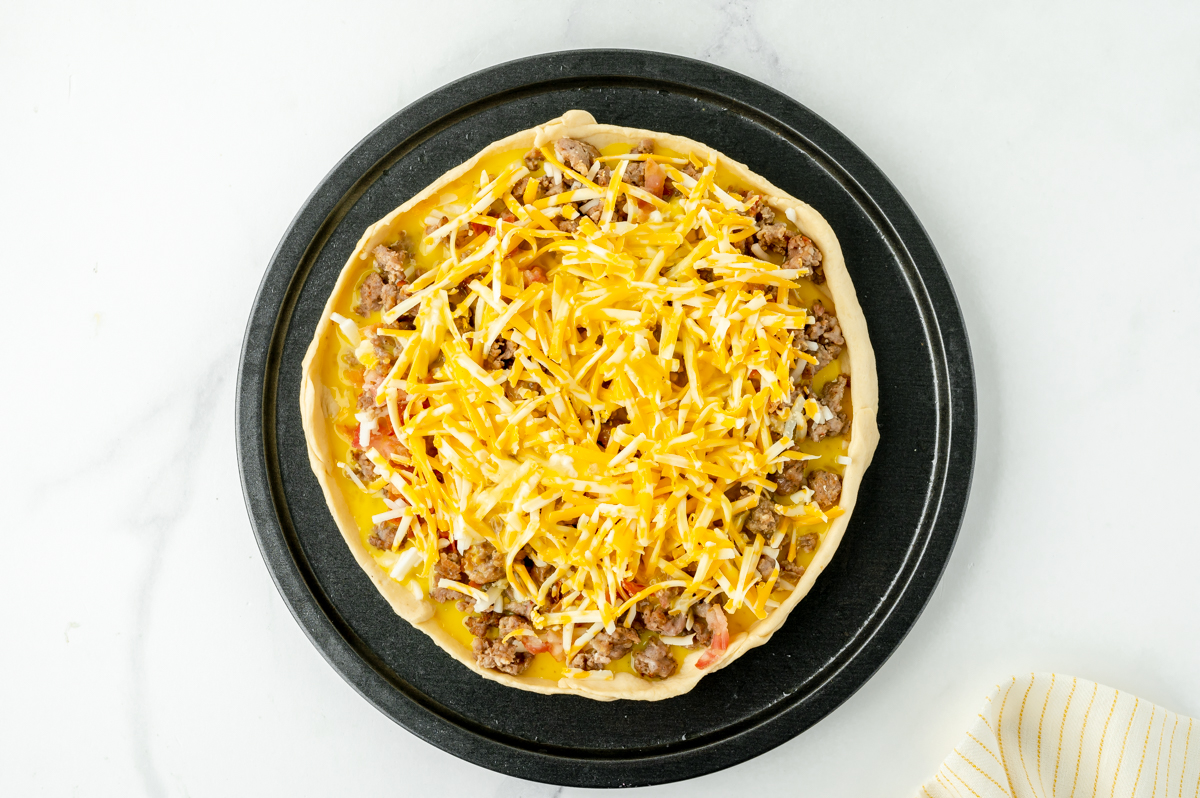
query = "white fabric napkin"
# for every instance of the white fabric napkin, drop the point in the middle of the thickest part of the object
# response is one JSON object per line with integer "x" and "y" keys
{"x": 1051, "y": 736}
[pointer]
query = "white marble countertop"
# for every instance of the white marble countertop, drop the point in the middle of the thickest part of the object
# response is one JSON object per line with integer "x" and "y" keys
{"x": 153, "y": 156}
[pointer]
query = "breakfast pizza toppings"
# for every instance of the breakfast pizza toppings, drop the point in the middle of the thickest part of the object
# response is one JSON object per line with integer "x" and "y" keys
{"x": 557, "y": 410}
{"x": 506, "y": 657}
{"x": 594, "y": 403}
{"x": 604, "y": 648}
{"x": 826, "y": 488}
{"x": 654, "y": 661}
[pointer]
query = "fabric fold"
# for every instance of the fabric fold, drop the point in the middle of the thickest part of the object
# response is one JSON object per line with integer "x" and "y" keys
{"x": 1046, "y": 735}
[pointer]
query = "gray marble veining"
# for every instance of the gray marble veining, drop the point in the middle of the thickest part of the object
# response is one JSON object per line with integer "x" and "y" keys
{"x": 153, "y": 156}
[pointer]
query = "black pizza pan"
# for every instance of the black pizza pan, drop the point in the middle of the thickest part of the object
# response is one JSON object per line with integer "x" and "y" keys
{"x": 910, "y": 505}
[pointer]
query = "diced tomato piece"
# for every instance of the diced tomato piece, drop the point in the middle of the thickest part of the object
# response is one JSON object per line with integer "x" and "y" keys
{"x": 533, "y": 274}
{"x": 720, "y": 641}
{"x": 656, "y": 178}
{"x": 553, "y": 645}
{"x": 386, "y": 445}
{"x": 534, "y": 644}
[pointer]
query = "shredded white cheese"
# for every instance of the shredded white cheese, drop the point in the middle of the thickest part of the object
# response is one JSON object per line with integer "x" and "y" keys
{"x": 409, "y": 559}
{"x": 348, "y": 328}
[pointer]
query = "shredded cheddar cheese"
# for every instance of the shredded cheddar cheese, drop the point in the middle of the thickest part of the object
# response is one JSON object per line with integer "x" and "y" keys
{"x": 590, "y": 396}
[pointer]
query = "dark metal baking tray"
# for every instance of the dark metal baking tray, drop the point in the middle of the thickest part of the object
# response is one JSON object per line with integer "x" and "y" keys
{"x": 903, "y": 529}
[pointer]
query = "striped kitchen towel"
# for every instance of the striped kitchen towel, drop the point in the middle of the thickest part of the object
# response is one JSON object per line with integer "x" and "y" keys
{"x": 1051, "y": 736}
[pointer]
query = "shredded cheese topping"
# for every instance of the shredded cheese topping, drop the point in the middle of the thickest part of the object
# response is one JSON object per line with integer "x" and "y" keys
{"x": 506, "y": 403}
